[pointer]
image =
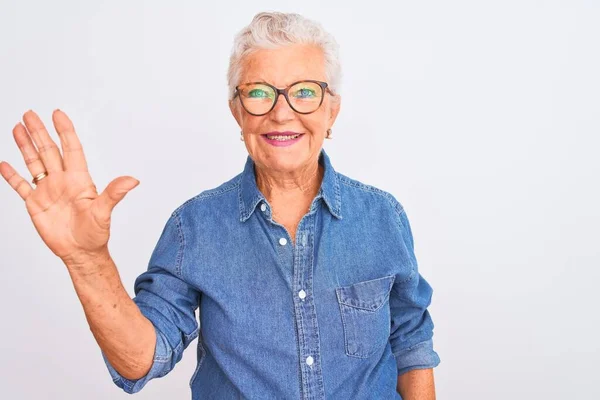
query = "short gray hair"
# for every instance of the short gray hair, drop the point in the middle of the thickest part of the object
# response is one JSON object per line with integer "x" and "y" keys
{"x": 274, "y": 29}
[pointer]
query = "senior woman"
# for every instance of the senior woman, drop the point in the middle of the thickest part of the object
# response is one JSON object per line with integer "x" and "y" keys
{"x": 306, "y": 279}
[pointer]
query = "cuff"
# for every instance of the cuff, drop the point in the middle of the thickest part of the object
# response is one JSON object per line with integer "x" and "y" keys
{"x": 160, "y": 364}
{"x": 419, "y": 356}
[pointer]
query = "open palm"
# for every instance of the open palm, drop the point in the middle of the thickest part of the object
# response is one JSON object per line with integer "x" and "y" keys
{"x": 65, "y": 207}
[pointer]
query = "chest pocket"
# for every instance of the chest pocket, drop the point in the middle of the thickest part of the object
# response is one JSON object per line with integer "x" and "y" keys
{"x": 365, "y": 311}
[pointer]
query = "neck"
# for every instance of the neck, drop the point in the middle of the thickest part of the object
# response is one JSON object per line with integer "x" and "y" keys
{"x": 301, "y": 184}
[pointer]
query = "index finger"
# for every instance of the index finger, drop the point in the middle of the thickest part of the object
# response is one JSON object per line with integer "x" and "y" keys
{"x": 73, "y": 156}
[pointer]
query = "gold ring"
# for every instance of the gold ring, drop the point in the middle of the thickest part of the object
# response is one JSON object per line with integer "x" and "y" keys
{"x": 39, "y": 177}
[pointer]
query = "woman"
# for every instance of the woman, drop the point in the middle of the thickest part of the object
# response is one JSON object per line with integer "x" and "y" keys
{"x": 306, "y": 279}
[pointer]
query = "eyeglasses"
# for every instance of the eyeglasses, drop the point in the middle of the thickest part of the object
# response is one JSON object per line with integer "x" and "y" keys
{"x": 259, "y": 98}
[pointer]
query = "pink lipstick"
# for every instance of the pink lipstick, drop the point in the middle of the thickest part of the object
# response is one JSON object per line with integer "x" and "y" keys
{"x": 282, "y": 139}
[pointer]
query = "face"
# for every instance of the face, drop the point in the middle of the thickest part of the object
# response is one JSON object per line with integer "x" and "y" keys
{"x": 282, "y": 67}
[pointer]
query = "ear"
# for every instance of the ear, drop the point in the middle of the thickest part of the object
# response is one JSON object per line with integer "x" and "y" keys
{"x": 235, "y": 111}
{"x": 334, "y": 108}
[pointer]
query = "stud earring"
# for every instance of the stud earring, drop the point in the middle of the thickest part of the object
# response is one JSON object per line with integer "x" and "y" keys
{"x": 328, "y": 136}
{"x": 242, "y": 136}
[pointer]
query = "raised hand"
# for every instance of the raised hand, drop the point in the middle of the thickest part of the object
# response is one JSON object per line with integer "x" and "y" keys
{"x": 66, "y": 210}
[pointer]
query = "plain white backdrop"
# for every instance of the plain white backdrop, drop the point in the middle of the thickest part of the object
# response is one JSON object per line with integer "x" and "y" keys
{"x": 480, "y": 117}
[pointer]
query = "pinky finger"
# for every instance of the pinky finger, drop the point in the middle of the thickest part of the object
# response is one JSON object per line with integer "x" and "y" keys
{"x": 20, "y": 185}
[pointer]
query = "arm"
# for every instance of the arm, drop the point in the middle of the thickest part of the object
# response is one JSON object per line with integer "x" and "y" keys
{"x": 411, "y": 325}
{"x": 124, "y": 334}
{"x": 74, "y": 222}
{"x": 141, "y": 338}
{"x": 165, "y": 298}
{"x": 144, "y": 337}
{"x": 417, "y": 384}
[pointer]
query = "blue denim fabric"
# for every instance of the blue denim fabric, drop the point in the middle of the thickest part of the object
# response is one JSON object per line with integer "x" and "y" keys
{"x": 338, "y": 314}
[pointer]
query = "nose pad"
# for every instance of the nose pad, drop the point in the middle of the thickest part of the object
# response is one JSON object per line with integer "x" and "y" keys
{"x": 282, "y": 109}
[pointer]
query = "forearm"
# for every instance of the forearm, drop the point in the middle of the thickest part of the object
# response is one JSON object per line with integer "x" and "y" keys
{"x": 417, "y": 384}
{"x": 124, "y": 334}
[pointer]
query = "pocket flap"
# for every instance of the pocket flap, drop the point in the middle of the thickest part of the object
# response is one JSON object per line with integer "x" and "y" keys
{"x": 368, "y": 295}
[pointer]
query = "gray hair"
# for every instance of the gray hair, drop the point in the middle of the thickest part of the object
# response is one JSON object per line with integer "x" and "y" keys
{"x": 269, "y": 30}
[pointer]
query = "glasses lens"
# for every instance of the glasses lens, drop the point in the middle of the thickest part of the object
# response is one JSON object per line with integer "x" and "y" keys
{"x": 305, "y": 97}
{"x": 257, "y": 98}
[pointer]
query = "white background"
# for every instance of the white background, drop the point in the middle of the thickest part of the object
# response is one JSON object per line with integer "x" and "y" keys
{"x": 480, "y": 117}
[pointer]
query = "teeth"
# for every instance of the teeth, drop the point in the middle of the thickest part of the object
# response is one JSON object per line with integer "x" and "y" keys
{"x": 282, "y": 138}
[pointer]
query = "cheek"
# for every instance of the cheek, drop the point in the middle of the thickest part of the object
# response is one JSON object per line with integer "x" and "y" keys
{"x": 252, "y": 124}
{"x": 316, "y": 124}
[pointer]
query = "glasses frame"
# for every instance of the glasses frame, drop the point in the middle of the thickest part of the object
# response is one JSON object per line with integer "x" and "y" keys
{"x": 324, "y": 88}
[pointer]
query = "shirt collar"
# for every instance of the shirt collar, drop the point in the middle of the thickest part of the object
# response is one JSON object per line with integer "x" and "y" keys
{"x": 250, "y": 196}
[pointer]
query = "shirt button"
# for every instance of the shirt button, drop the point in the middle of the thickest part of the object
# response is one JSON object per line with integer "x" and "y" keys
{"x": 283, "y": 241}
{"x": 263, "y": 207}
{"x": 309, "y": 360}
{"x": 302, "y": 294}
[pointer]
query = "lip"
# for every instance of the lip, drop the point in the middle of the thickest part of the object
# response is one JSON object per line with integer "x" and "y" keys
{"x": 286, "y": 133}
{"x": 278, "y": 143}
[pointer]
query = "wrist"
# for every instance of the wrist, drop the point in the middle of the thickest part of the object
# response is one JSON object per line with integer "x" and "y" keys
{"x": 87, "y": 262}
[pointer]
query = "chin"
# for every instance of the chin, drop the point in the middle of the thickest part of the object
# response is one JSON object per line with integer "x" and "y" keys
{"x": 286, "y": 159}
{"x": 285, "y": 162}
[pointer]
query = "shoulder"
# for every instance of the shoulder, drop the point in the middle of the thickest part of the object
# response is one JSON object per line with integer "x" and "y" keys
{"x": 225, "y": 194}
{"x": 354, "y": 191}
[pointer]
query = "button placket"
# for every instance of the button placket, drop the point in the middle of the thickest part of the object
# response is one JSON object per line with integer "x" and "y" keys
{"x": 304, "y": 307}
{"x": 308, "y": 332}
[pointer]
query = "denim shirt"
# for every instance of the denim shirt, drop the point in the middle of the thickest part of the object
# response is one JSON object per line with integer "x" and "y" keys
{"x": 337, "y": 314}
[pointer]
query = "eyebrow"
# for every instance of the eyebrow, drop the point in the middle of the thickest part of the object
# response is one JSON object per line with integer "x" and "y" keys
{"x": 262, "y": 80}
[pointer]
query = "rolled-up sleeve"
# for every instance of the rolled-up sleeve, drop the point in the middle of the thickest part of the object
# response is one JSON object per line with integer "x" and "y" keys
{"x": 411, "y": 324}
{"x": 164, "y": 297}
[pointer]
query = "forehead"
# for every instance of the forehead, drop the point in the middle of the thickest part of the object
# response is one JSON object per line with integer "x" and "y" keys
{"x": 284, "y": 65}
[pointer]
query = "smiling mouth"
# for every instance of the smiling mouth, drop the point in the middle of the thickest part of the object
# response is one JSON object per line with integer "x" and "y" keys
{"x": 282, "y": 136}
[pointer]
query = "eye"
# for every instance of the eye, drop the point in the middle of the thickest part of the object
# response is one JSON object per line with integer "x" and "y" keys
{"x": 305, "y": 93}
{"x": 258, "y": 94}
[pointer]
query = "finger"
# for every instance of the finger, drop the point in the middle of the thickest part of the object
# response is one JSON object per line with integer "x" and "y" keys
{"x": 30, "y": 153}
{"x": 47, "y": 149}
{"x": 73, "y": 156}
{"x": 21, "y": 186}
{"x": 114, "y": 193}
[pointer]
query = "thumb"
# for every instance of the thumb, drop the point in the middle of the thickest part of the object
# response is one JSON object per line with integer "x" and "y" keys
{"x": 115, "y": 192}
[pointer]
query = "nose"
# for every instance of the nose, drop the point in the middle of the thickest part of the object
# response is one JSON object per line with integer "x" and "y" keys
{"x": 282, "y": 111}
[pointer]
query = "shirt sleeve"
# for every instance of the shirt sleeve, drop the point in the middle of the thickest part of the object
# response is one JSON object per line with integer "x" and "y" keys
{"x": 411, "y": 324}
{"x": 168, "y": 302}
